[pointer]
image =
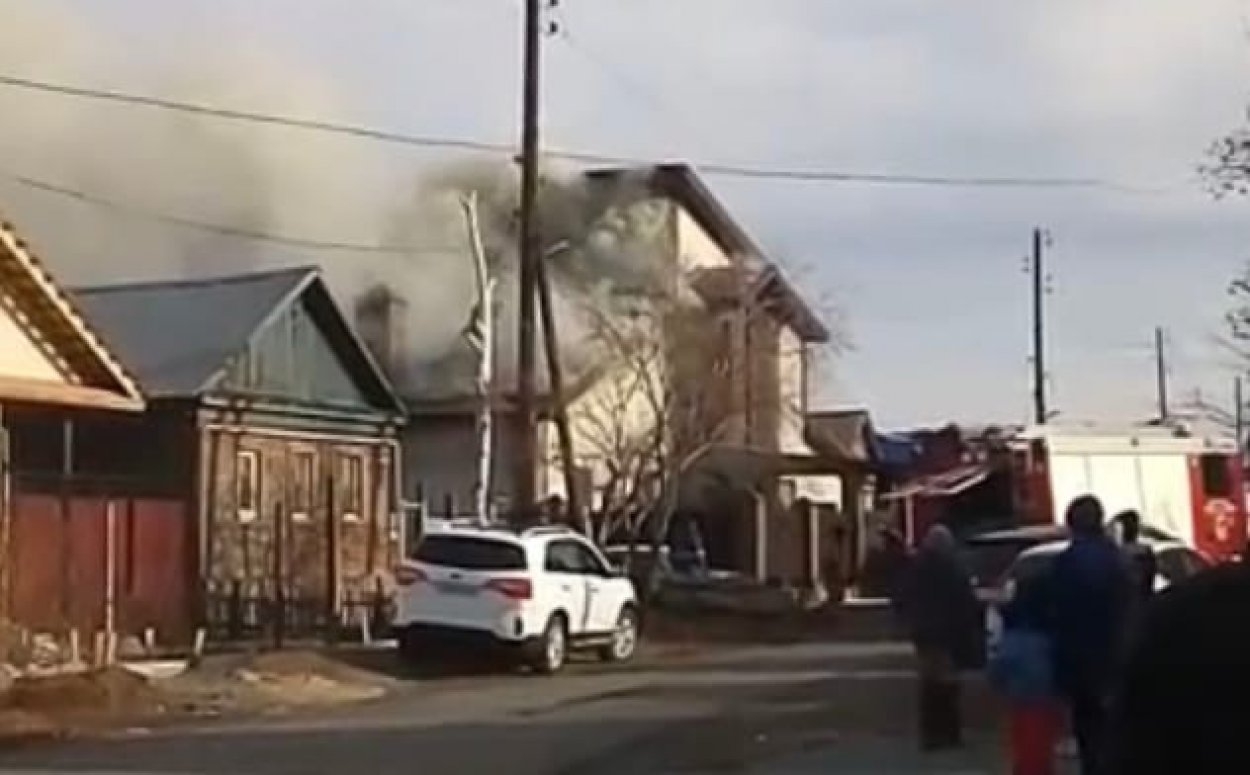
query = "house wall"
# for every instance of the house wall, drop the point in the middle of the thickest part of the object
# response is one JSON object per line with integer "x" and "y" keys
{"x": 321, "y": 517}
{"x": 440, "y": 461}
{"x": 20, "y": 357}
{"x": 94, "y": 491}
{"x": 695, "y": 247}
{"x": 609, "y": 421}
{"x": 792, "y": 403}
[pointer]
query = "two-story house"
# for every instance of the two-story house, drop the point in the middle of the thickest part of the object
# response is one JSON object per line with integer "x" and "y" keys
{"x": 754, "y": 384}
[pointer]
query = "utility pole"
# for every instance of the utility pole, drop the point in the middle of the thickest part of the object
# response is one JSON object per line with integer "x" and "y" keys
{"x": 559, "y": 409}
{"x": 526, "y": 442}
{"x": 1161, "y": 376}
{"x": 1040, "y": 412}
{"x": 1239, "y": 418}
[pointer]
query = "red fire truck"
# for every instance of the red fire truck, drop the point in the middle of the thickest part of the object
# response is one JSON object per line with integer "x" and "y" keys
{"x": 1188, "y": 486}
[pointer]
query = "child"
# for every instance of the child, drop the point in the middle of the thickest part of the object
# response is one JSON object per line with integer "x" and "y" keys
{"x": 1022, "y": 671}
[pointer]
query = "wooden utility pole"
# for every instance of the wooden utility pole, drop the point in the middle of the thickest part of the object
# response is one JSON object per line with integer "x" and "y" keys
{"x": 525, "y": 445}
{"x": 1161, "y": 376}
{"x": 1040, "y": 412}
{"x": 559, "y": 411}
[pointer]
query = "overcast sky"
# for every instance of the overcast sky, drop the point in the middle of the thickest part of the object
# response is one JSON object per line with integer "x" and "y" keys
{"x": 929, "y": 280}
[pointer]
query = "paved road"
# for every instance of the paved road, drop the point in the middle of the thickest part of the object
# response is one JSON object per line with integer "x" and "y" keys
{"x": 824, "y": 708}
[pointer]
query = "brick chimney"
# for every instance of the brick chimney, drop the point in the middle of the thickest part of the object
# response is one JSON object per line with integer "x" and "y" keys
{"x": 380, "y": 319}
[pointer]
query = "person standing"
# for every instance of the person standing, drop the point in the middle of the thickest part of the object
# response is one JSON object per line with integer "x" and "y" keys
{"x": 1089, "y": 595}
{"x": 939, "y": 607}
{"x": 1143, "y": 566}
{"x": 1021, "y": 668}
{"x": 1181, "y": 706}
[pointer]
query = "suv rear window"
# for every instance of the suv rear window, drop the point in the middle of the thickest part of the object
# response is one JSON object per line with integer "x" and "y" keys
{"x": 468, "y": 553}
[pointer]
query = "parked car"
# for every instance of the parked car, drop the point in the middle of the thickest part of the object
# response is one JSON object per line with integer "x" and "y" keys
{"x": 989, "y": 555}
{"x": 537, "y": 593}
{"x": 640, "y": 564}
{"x": 1175, "y": 562}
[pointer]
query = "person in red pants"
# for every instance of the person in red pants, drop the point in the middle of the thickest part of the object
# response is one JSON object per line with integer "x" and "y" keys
{"x": 1021, "y": 668}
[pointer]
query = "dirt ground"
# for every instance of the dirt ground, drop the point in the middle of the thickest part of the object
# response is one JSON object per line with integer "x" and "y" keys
{"x": 92, "y": 701}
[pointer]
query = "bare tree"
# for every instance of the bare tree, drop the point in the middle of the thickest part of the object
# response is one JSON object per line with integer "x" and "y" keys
{"x": 665, "y": 396}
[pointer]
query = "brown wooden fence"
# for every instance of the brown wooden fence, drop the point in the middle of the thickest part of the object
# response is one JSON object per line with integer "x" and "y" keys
{"x": 61, "y": 548}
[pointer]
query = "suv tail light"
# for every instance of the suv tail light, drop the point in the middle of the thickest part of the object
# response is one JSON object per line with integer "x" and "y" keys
{"x": 513, "y": 589}
{"x": 406, "y": 576}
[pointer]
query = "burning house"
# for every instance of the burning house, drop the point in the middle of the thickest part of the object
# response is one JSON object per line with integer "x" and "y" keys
{"x": 654, "y": 232}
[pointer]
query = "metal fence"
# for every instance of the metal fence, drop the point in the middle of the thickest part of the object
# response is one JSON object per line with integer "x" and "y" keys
{"x": 277, "y": 615}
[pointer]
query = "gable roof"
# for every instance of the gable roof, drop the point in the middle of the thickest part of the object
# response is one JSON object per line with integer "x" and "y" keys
{"x": 682, "y": 183}
{"x": 842, "y": 434}
{"x": 95, "y": 377}
{"x": 179, "y": 336}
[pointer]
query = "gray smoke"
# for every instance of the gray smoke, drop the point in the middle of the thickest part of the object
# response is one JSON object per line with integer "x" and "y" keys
{"x": 288, "y": 182}
{"x": 235, "y": 175}
{"x": 602, "y": 240}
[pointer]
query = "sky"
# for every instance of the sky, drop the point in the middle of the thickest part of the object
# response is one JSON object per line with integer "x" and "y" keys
{"x": 927, "y": 282}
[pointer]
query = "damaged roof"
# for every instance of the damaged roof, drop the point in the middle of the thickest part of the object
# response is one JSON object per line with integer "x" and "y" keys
{"x": 682, "y": 183}
{"x": 844, "y": 434}
{"x": 180, "y": 336}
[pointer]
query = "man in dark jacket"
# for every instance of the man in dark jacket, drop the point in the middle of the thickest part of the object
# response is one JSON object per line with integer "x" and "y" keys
{"x": 1089, "y": 590}
{"x": 1182, "y": 705}
{"x": 940, "y": 609}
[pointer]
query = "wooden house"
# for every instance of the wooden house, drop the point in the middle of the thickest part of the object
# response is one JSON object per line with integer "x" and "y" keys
{"x": 272, "y": 426}
{"x": 53, "y": 531}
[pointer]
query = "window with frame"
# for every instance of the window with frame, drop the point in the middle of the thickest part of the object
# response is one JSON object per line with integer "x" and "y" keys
{"x": 1216, "y": 480}
{"x": 572, "y": 557}
{"x": 303, "y": 485}
{"x": 351, "y": 480}
{"x": 247, "y": 484}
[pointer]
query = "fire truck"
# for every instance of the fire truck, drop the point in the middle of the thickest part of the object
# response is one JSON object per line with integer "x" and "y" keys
{"x": 1188, "y": 486}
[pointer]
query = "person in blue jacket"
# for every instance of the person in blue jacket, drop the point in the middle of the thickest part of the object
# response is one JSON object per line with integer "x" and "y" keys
{"x": 1089, "y": 589}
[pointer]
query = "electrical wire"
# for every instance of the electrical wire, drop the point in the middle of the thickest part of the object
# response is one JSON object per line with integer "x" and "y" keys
{"x": 707, "y": 168}
{"x": 170, "y": 219}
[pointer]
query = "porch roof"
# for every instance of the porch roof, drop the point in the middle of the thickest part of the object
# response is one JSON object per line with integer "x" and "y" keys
{"x": 91, "y": 375}
{"x": 945, "y": 484}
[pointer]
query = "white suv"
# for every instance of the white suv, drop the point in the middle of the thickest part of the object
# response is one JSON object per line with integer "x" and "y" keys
{"x": 542, "y": 592}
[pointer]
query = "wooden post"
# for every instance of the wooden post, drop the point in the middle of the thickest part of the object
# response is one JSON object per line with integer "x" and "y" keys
{"x": 559, "y": 410}
{"x": 6, "y": 524}
{"x": 110, "y": 568}
{"x": 67, "y": 471}
{"x": 279, "y": 577}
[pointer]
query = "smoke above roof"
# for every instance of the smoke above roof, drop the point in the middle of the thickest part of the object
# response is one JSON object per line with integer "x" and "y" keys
{"x": 140, "y": 164}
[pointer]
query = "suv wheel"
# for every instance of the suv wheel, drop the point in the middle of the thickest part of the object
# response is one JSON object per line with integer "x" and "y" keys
{"x": 624, "y": 637}
{"x": 553, "y": 647}
{"x": 409, "y": 648}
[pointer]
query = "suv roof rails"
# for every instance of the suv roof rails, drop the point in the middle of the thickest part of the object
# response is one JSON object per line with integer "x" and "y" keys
{"x": 541, "y": 529}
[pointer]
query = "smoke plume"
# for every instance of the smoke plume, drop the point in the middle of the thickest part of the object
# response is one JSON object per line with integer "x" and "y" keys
{"x": 145, "y": 162}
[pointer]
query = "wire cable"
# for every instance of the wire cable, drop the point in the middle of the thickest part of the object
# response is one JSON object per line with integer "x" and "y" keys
{"x": 585, "y": 157}
{"x": 171, "y": 219}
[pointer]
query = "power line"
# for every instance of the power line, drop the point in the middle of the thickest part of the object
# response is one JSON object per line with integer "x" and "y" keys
{"x": 231, "y": 114}
{"x": 707, "y": 168}
{"x": 170, "y": 219}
